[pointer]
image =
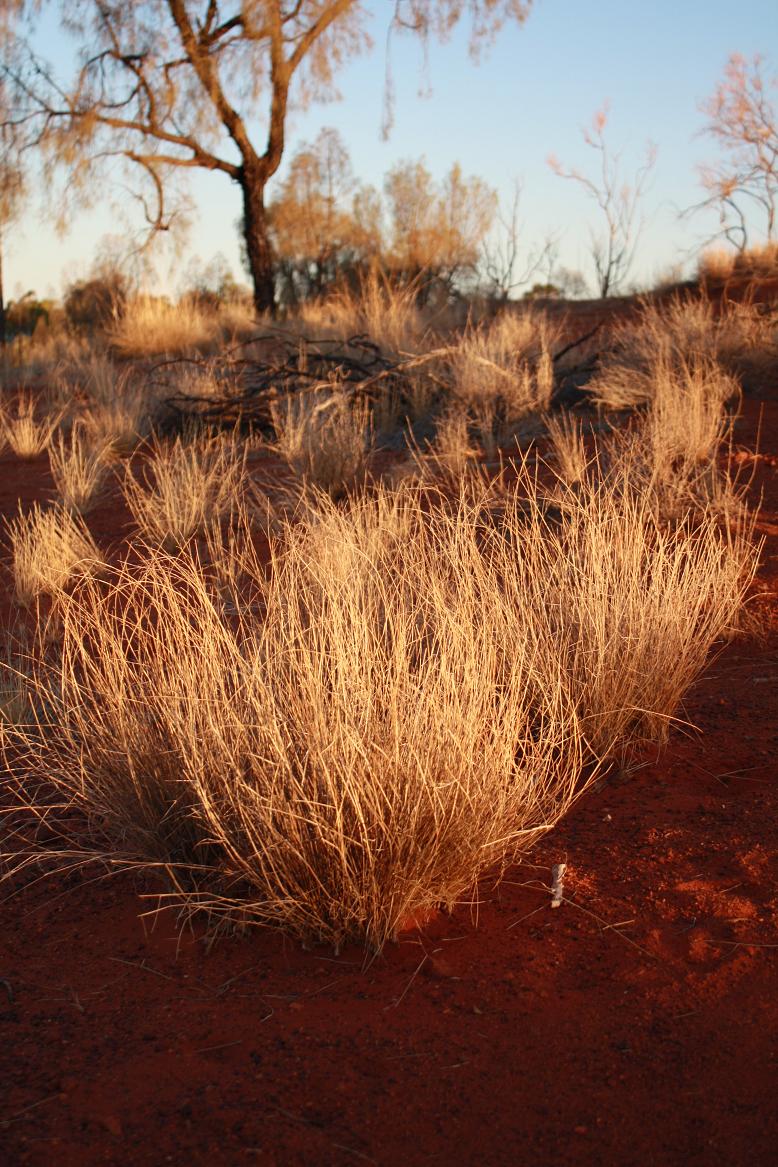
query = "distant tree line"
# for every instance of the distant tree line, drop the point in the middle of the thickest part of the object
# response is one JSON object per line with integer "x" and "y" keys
{"x": 328, "y": 229}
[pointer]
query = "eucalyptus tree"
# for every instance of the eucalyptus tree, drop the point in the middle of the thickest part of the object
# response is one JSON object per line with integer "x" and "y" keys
{"x": 170, "y": 86}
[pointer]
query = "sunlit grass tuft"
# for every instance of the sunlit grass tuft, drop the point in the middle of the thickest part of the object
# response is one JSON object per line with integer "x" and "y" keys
{"x": 25, "y": 430}
{"x": 50, "y": 548}
{"x": 181, "y": 486}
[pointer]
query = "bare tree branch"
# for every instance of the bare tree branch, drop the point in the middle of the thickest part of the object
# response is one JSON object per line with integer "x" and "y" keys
{"x": 613, "y": 249}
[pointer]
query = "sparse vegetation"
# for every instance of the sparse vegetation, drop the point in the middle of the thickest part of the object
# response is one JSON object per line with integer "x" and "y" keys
{"x": 411, "y": 673}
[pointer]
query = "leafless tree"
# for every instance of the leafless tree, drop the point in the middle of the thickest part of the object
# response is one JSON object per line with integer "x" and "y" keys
{"x": 613, "y": 248}
{"x": 744, "y": 122}
{"x": 504, "y": 266}
{"x": 170, "y": 86}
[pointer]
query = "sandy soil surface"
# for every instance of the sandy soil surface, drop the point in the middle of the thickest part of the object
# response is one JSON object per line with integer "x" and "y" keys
{"x": 638, "y": 1024}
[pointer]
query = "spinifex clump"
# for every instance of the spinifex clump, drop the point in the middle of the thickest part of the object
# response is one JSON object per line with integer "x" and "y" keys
{"x": 423, "y": 688}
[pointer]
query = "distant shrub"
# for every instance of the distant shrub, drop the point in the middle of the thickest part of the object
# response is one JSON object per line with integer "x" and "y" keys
{"x": 721, "y": 263}
{"x": 717, "y": 263}
{"x": 95, "y": 303}
{"x": 543, "y": 292}
{"x": 23, "y": 316}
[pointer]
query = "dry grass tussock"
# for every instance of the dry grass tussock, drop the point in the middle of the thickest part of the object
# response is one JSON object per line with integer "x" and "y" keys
{"x": 503, "y": 375}
{"x": 389, "y": 315}
{"x": 79, "y": 467}
{"x": 26, "y": 428}
{"x": 121, "y": 423}
{"x": 569, "y": 447}
{"x": 182, "y": 486}
{"x": 642, "y": 601}
{"x": 153, "y": 327}
{"x": 117, "y": 409}
{"x": 452, "y": 456}
{"x": 29, "y": 359}
{"x": 324, "y": 437}
{"x": 668, "y": 336}
{"x": 722, "y": 263}
{"x": 15, "y": 678}
{"x": 673, "y": 453}
{"x": 421, "y": 694}
{"x": 50, "y": 548}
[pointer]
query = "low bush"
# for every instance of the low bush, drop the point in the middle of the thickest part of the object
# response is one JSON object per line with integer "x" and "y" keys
{"x": 93, "y": 304}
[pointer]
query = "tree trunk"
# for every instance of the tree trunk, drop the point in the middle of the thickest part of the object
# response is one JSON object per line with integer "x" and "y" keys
{"x": 2, "y": 298}
{"x": 259, "y": 251}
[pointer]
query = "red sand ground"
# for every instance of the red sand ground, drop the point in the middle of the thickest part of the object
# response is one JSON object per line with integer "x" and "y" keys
{"x": 635, "y": 1025}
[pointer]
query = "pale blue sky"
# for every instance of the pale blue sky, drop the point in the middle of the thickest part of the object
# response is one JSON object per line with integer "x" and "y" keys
{"x": 529, "y": 97}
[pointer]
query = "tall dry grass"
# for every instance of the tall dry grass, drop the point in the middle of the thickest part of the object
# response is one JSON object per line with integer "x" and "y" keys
{"x": 667, "y": 336}
{"x": 29, "y": 359}
{"x": 79, "y": 467}
{"x": 502, "y": 375}
{"x": 419, "y": 689}
{"x": 569, "y": 448}
{"x": 389, "y": 315}
{"x": 638, "y": 603}
{"x": 15, "y": 678}
{"x": 451, "y": 456}
{"x": 675, "y": 453}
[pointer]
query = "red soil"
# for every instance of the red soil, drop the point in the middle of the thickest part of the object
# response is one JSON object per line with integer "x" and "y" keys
{"x": 635, "y": 1025}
